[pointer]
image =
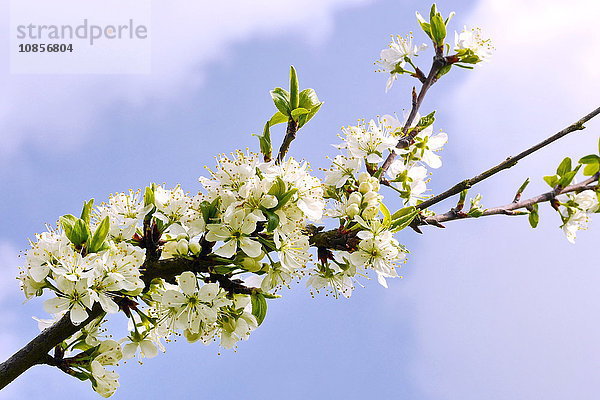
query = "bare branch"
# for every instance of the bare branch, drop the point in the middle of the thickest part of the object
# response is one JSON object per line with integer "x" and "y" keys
{"x": 509, "y": 209}
{"x": 509, "y": 162}
{"x": 290, "y": 135}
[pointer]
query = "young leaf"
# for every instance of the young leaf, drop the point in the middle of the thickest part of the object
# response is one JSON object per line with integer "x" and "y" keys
{"x": 272, "y": 220}
{"x": 387, "y": 217}
{"x": 66, "y": 222}
{"x": 534, "y": 217}
{"x": 551, "y": 180}
{"x": 402, "y": 218}
{"x": 294, "y": 100}
{"x": 299, "y": 111}
{"x": 281, "y": 99}
{"x": 278, "y": 118}
{"x": 80, "y": 232}
{"x": 87, "y": 210}
{"x": 259, "y": 307}
{"x": 97, "y": 242}
{"x": 564, "y": 167}
{"x": 264, "y": 140}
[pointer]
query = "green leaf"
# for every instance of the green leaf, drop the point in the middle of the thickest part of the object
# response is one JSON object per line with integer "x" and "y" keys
{"x": 523, "y": 186}
{"x": 279, "y": 188}
{"x": 87, "y": 210}
{"x": 387, "y": 217}
{"x": 566, "y": 179}
{"x": 444, "y": 70}
{"x": 534, "y": 217}
{"x": 66, "y": 222}
{"x": 278, "y": 118}
{"x": 591, "y": 169}
{"x": 299, "y": 111}
{"x": 282, "y": 201}
{"x": 149, "y": 195}
{"x": 294, "y": 100}
{"x": 96, "y": 244}
{"x": 402, "y": 218}
{"x": 438, "y": 29}
{"x": 308, "y": 99}
{"x": 80, "y": 232}
{"x": 259, "y": 307}
{"x": 589, "y": 159}
{"x": 281, "y": 99}
{"x": 264, "y": 140}
{"x": 424, "y": 122}
{"x": 551, "y": 180}
{"x": 564, "y": 166}
{"x": 272, "y": 220}
{"x": 303, "y": 119}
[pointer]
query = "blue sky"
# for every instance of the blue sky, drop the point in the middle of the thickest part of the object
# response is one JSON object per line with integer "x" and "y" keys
{"x": 487, "y": 308}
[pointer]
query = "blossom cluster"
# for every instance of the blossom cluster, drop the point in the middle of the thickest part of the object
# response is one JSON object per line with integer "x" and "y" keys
{"x": 576, "y": 212}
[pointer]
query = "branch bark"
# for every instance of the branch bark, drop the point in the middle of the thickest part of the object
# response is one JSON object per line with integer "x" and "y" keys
{"x": 290, "y": 135}
{"x": 508, "y": 163}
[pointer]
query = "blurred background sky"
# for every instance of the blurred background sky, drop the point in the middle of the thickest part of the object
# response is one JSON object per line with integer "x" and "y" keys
{"x": 487, "y": 309}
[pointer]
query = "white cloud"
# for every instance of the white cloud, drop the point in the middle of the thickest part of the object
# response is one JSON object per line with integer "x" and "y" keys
{"x": 505, "y": 311}
{"x": 56, "y": 111}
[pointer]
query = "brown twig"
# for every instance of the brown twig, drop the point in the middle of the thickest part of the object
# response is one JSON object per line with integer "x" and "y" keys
{"x": 508, "y": 163}
{"x": 290, "y": 135}
{"x": 509, "y": 209}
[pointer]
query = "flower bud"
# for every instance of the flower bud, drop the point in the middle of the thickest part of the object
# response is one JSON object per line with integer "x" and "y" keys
{"x": 370, "y": 212}
{"x": 269, "y": 201}
{"x": 355, "y": 198}
{"x": 182, "y": 246}
{"x": 250, "y": 264}
{"x": 370, "y": 198}
{"x": 365, "y": 187}
{"x": 195, "y": 247}
{"x": 352, "y": 210}
{"x": 182, "y": 236}
{"x": 363, "y": 177}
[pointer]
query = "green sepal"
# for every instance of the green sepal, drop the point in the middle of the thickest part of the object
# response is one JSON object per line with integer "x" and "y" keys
{"x": 259, "y": 307}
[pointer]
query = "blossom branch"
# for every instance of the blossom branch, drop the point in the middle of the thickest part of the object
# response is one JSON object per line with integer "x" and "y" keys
{"x": 36, "y": 351}
{"x": 438, "y": 63}
{"x": 508, "y": 163}
{"x": 509, "y": 209}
